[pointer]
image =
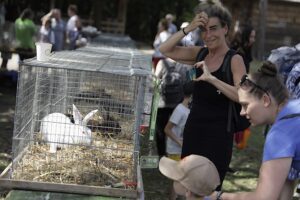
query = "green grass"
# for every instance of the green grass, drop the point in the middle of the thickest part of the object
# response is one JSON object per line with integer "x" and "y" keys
{"x": 246, "y": 164}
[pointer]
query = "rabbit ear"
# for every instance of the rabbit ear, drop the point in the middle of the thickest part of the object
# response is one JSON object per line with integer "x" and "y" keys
{"x": 88, "y": 117}
{"x": 77, "y": 115}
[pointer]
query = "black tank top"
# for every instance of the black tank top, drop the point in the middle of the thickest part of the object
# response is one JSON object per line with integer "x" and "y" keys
{"x": 208, "y": 102}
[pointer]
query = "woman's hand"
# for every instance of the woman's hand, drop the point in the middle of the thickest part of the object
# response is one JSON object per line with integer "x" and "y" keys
{"x": 206, "y": 76}
{"x": 200, "y": 20}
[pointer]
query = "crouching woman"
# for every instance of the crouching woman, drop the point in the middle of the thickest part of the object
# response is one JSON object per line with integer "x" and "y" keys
{"x": 265, "y": 100}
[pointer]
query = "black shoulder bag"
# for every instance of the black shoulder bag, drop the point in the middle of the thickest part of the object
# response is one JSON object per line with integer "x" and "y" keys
{"x": 236, "y": 122}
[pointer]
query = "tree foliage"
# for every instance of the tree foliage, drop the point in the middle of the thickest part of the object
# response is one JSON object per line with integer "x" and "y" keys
{"x": 144, "y": 15}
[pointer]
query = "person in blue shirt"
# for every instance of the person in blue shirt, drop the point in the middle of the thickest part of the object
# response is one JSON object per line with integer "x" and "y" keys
{"x": 57, "y": 27}
{"x": 172, "y": 27}
{"x": 265, "y": 100}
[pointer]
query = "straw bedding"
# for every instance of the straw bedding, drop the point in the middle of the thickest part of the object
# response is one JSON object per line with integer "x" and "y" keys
{"x": 108, "y": 162}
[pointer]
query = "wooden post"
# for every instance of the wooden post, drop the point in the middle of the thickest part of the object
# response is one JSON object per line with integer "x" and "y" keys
{"x": 263, "y": 6}
{"x": 97, "y": 13}
{"x": 52, "y": 4}
{"x": 122, "y": 11}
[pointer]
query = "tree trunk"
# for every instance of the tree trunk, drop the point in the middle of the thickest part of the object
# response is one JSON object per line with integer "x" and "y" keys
{"x": 263, "y": 6}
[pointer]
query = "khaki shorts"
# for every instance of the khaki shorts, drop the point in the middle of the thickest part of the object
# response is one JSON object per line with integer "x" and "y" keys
{"x": 176, "y": 157}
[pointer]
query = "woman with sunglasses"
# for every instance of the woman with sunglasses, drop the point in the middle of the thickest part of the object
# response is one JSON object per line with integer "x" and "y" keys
{"x": 265, "y": 100}
{"x": 205, "y": 131}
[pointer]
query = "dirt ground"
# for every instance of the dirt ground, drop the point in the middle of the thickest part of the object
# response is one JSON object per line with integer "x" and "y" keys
{"x": 7, "y": 106}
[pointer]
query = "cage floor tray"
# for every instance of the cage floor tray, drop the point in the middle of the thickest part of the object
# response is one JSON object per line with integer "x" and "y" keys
{"x": 6, "y": 182}
{"x": 37, "y": 195}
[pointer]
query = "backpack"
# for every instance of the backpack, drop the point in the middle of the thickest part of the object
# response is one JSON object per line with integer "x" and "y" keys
{"x": 285, "y": 58}
{"x": 287, "y": 61}
{"x": 293, "y": 82}
{"x": 171, "y": 85}
{"x": 236, "y": 122}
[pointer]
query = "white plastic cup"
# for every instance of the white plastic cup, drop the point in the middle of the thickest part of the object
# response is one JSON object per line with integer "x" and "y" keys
{"x": 43, "y": 51}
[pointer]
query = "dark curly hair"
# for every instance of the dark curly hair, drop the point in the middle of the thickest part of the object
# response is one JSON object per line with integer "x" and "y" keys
{"x": 241, "y": 41}
{"x": 241, "y": 36}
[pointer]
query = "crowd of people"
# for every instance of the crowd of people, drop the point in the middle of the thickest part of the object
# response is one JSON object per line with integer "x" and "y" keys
{"x": 194, "y": 136}
{"x": 53, "y": 29}
{"x": 200, "y": 139}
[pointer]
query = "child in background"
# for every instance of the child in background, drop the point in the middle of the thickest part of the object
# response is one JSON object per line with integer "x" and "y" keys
{"x": 175, "y": 126}
{"x": 176, "y": 123}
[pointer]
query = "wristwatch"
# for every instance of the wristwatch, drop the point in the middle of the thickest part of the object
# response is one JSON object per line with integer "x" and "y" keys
{"x": 219, "y": 195}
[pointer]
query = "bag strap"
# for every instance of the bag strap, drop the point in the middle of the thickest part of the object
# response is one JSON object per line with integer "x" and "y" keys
{"x": 202, "y": 54}
{"x": 228, "y": 78}
{"x": 290, "y": 116}
{"x": 226, "y": 67}
{"x": 200, "y": 57}
{"x": 282, "y": 118}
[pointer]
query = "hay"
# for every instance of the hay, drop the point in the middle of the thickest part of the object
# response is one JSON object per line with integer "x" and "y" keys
{"x": 107, "y": 162}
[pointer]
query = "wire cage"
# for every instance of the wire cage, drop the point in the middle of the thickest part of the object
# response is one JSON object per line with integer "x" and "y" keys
{"x": 77, "y": 121}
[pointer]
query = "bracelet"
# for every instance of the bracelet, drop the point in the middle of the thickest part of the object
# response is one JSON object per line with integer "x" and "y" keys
{"x": 183, "y": 31}
{"x": 219, "y": 195}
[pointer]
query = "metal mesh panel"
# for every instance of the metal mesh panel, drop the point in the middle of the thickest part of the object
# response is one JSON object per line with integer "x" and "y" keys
{"x": 128, "y": 62}
{"x": 62, "y": 148}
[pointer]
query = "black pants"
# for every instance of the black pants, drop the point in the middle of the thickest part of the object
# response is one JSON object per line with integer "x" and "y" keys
{"x": 25, "y": 53}
{"x": 163, "y": 115}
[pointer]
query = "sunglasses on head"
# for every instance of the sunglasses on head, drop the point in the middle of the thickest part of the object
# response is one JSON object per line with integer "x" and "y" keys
{"x": 246, "y": 83}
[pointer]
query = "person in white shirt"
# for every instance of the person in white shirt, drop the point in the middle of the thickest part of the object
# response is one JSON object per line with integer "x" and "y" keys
{"x": 175, "y": 126}
{"x": 161, "y": 36}
{"x": 72, "y": 26}
{"x": 46, "y": 33}
{"x": 176, "y": 123}
{"x": 58, "y": 28}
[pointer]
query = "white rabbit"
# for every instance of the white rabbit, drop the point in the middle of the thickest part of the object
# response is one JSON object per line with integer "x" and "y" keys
{"x": 58, "y": 129}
